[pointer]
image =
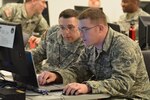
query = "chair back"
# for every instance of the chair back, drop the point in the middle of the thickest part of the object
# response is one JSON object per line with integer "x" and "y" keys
{"x": 146, "y": 55}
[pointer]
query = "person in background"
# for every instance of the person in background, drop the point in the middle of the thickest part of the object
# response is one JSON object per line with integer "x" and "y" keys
{"x": 132, "y": 11}
{"x": 97, "y": 4}
{"x": 111, "y": 63}
{"x": 29, "y": 15}
{"x": 94, "y": 3}
{"x": 61, "y": 45}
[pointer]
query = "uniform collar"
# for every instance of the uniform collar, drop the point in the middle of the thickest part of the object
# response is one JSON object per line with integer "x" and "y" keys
{"x": 24, "y": 12}
{"x": 108, "y": 40}
{"x": 133, "y": 15}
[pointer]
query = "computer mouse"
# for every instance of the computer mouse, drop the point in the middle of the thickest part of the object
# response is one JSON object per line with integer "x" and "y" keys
{"x": 64, "y": 93}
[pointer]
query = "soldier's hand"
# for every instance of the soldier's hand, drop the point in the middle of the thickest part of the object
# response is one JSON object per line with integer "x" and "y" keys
{"x": 75, "y": 89}
{"x": 46, "y": 77}
{"x": 35, "y": 39}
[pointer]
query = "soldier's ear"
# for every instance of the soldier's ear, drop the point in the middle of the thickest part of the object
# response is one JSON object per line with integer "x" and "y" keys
{"x": 101, "y": 27}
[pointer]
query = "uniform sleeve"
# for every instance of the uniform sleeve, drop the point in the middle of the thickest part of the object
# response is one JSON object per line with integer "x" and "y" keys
{"x": 42, "y": 26}
{"x": 124, "y": 65}
{"x": 77, "y": 72}
{"x": 39, "y": 53}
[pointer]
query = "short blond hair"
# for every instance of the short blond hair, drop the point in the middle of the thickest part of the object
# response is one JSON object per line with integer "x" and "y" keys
{"x": 94, "y": 14}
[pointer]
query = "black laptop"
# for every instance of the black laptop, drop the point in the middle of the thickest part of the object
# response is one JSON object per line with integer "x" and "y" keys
{"x": 30, "y": 80}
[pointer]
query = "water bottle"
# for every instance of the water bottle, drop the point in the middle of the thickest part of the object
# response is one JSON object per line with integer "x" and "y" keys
{"x": 132, "y": 31}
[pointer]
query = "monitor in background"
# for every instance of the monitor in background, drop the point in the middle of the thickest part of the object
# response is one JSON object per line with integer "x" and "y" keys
{"x": 144, "y": 32}
{"x": 114, "y": 27}
{"x": 79, "y": 9}
{"x": 13, "y": 59}
{"x": 45, "y": 13}
{"x": 29, "y": 81}
{"x": 145, "y": 5}
{"x": 12, "y": 1}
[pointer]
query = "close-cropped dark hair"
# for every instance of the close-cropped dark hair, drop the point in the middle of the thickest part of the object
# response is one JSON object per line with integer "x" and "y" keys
{"x": 94, "y": 14}
{"x": 27, "y": 0}
{"x": 68, "y": 13}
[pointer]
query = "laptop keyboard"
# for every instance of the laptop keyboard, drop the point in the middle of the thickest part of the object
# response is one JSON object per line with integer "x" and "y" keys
{"x": 53, "y": 88}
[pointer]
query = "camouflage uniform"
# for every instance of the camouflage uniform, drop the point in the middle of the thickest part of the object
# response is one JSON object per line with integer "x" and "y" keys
{"x": 57, "y": 52}
{"x": 117, "y": 69}
{"x": 126, "y": 18}
{"x": 15, "y": 12}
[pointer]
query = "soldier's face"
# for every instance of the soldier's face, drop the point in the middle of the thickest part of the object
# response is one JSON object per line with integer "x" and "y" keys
{"x": 69, "y": 29}
{"x": 90, "y": 32}
{"x": 128, "y": 5}
{"x": 40, "y": 5}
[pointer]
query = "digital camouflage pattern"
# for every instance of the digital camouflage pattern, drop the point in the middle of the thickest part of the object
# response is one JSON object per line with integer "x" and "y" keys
{"x": 57, "y": 52}
{"x": 118, "y": 69}
{"x": 126, "y": 18}
{"x": 15, "y": 12}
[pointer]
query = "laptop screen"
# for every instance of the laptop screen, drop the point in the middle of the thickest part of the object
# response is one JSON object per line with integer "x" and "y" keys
{"x": 29, "y": 80}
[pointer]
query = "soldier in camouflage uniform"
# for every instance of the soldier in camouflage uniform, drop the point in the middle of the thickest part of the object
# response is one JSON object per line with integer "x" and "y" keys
{"x": 131, "y": 13}
{"x": 112, "y": 63}
{"x": 28, "y": 14}
{"x": 62, "y": 43}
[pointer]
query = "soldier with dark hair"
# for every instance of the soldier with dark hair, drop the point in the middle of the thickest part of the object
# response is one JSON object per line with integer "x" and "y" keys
{"x": 61, "y": 45}
{"x": 27, "y": 0}
{"x": 132, "y": 11}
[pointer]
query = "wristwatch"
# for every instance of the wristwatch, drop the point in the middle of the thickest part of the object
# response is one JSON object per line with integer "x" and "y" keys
{"x": 89, "y": 87}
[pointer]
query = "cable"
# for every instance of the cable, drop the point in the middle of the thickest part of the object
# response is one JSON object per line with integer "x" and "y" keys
{"x": 2, "y": 76}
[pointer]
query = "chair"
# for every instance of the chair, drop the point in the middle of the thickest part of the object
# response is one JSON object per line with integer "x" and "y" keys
{"x": 146, "y": 55}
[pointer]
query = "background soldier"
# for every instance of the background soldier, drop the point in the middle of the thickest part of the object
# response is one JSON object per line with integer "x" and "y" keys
{"x": 131, "y": 14}
{"x": 28, "y": 14}
{"x": 94, "y": 3}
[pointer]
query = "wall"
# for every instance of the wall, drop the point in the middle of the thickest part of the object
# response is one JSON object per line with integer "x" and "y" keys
{"x": 112, "y": 8}
{"x": 0, "y": 3}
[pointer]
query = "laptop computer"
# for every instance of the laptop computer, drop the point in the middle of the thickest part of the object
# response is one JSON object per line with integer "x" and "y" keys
{"x": 30, "y": 81}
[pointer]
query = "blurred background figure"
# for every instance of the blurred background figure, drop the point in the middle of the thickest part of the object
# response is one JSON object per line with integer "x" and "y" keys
{"x": 132, "y": 11}
{"x": 94, "y": 3}
{"x": 29, "y": 15}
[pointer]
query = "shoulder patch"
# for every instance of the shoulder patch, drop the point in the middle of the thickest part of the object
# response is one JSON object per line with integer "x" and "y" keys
{"x": 8, "y": 12}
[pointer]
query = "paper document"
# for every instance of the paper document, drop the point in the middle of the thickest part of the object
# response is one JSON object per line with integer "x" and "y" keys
{"x": 7, "y": 34}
